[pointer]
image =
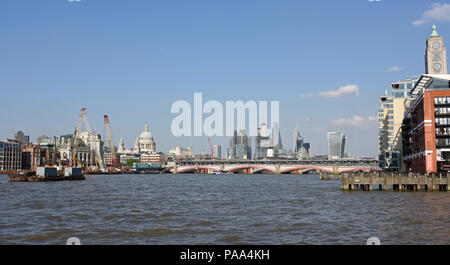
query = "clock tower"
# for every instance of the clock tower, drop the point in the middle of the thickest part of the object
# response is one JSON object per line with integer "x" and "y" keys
{"x": 436, "y": 54}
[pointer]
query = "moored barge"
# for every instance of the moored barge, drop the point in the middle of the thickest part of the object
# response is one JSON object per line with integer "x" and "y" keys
{"x": 44, "y": 174}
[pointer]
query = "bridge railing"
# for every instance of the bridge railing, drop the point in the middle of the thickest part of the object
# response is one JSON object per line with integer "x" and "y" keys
{"x": 373, "y": 163}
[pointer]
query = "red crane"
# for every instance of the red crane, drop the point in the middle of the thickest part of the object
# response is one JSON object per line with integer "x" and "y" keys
{"x": 211, "y": 147}
{"x": 110, "y": 142}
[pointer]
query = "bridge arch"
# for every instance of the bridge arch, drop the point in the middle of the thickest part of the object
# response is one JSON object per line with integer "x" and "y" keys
{"x": 306, "y": 168}
{"x": 187, "y": 169}
{"x": 234, "y": 168}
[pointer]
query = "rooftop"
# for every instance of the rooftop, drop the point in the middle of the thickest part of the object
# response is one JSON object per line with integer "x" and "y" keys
{"x": 425, "y": 81}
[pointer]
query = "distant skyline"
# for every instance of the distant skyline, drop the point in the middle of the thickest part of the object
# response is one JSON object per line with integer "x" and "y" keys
{"x": 327, "y": 62}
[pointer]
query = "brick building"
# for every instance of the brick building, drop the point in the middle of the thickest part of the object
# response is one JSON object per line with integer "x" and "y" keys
{"x": 426, "y": 126}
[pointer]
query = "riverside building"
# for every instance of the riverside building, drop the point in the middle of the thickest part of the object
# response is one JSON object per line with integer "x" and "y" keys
{"x": 390, "y": 118}
{"x": 10, "y": 155}
{"x": 426, "y": 124}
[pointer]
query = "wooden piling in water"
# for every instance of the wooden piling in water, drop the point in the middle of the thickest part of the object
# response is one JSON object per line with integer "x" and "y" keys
{"x": 397, "y": 182}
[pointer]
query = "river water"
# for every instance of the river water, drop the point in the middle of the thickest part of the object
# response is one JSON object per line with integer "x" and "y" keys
{"x": 217, "y": 209}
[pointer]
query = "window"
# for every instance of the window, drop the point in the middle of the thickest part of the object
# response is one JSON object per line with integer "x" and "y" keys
{"x": 441, "y": 142}
{"x": 390, "y": 112}
{"x": 390, "y": 117}
{"x": 440, "y": 83}
{"x": 398, "y": 94}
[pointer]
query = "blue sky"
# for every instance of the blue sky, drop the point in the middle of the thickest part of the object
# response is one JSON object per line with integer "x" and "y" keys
{"x": 133, "y": 59}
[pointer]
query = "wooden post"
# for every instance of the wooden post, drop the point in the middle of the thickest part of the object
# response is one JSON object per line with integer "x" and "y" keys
{"x": 432, "y": 183}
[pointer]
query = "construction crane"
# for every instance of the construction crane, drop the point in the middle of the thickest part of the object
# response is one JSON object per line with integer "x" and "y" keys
{"x": 110, "y": 141}
{"x": 81, "y": 118}
{"x": 211, "y": 147}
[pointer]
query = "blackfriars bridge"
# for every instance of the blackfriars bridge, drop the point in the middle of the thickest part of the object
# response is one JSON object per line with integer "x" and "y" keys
{"x": 277, "y": 166}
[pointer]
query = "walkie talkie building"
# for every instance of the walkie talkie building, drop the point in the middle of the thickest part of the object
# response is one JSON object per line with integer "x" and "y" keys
{"x": 336, "y": 145}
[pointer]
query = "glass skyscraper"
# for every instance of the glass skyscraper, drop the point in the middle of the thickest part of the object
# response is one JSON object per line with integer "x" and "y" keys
{"x": 336, "y": 145}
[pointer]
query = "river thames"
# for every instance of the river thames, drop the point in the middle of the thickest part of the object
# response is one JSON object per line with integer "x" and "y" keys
{"x": 217, "y": 209}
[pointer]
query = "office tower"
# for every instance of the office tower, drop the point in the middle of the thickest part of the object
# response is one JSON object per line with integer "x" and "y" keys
{"x": 240, "y": 146}
{"x": 10, "y": 155}
{"x": 217, "y": 151}
{"x": 22, "y": 138}
{"x": 336, "y": 145}
{"x": 301, "y": 149}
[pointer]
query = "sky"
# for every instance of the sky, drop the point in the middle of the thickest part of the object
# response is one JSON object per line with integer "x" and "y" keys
{"x": 326, "y": 62}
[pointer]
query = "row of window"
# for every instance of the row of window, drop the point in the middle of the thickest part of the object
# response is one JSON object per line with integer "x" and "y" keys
{"x": 442, "y": 142}
{"x": 442, "y": 100}
{"x": 443, "y": 131}
{"x": 404, "y": 86}
{"x": 442, "y": 121}
{"x": 401, "y": 94}
{"x": 389, "y": 116}
{"x": 442, "y": 110}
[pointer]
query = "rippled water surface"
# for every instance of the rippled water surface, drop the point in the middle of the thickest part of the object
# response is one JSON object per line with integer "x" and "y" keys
{"x": 217, "y": 209}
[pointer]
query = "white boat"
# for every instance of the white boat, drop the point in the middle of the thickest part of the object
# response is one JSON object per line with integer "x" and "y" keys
{"x": 222, "y": 172}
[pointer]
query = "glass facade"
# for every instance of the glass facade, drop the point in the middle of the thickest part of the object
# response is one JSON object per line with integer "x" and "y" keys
{"x": 336, "y": 145}
{"x": 438, "y": 83}
{"x": 402, "y": 89}
{"x": 10, "y": 156}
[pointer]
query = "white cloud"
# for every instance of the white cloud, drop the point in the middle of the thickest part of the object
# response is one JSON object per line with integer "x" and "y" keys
{"x": 306, "y": 95}
{"x": 342, "y": 91}
{"x": 394, "y": 69}
{"x": 437, "y": 12}
{"x": 356, "y": 121}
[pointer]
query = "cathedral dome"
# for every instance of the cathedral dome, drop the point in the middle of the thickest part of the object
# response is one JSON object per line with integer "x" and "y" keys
{"x": 144, "y": 143}
{"x": 146, "y": 134}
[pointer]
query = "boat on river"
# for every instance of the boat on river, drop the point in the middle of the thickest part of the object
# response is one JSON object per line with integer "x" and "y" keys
{"x": 222, "y": 172}
{"x": 44, "y": 174}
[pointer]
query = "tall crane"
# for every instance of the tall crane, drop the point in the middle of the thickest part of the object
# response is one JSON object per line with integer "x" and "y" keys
{"x": 110, "y": 141}
{"x": 81, "y": 118}
{"x": 211, "y": 147}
